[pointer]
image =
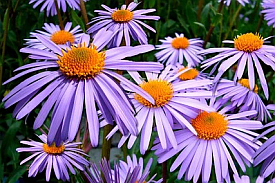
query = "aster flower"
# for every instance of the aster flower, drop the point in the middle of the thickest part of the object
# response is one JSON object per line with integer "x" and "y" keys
{"x": 53, "y": 33}
{"x": 246, "y": 179}
{"x": 179, "y": 50}
{"x": 269, "y": 13}
{"x": 243, "y": 97}
{"x": 266, "y": 153}
{"x": 124, "y": 22}
{"x": 221, "y": 135}
{"x": 173, "y": 103}
{"x": 131, "y": 164}
{"x": 76, "y": 77}
{"x": 249, "y": 49}
{"x": 50, "y": 8}
{"x": 130, "y": 172}
{"x": 242, "y": 2}
{"x": 60, "y": 158}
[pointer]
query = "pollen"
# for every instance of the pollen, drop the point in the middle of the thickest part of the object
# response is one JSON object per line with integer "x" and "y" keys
{"x": 188, "y": 75}
{"x": 122, "y": 16}
{"x": 180, "y": 43}
{"x": 161, "y": 91}
{"x": 81, "y": 62}
{"x": 52, "y": 149}
{"x": 245, "y": 83}
{"x": 209, "y": 125}
{"x": 62, "y": 37}
{"x": 248, "y": 42}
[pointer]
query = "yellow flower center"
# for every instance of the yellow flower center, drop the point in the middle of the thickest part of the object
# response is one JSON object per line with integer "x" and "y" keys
{"x": 52, "y": 149}
{"x": 161, "y": 91}
{"x": 81, "y": 62}
{"x": 209, "y": 125}
{"x": 62, "y": 37}
{"x": 122, "y": 15}
{"x": 188, "y": 75}
{"x": 245, "y": 83}
{"x": 180, "y": 43}
{"x": 248, "y": 42}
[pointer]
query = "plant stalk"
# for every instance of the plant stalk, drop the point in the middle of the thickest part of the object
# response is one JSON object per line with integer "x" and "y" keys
{"x": 164, "y": 172}
{"x": 106, "y": 145}
{"x": 61, "y": 24}
{"x": 200, "y": 5}
{"x": 211, "y": 28}
{"x": 259, "y": 23}
{"x": 84, "y": 13}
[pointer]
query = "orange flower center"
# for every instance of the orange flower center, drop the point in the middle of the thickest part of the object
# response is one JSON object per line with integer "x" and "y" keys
{"x": 81, "y": 62}
{"x": 248, "y": 42}
{"x": 62, "y": 37}
{"x": 52, "y": 149}
{"x": 209, "y": 125}
{"x": 245, "y": 83}
{"x": 180, "y": 43}
{"x": 122, "y": 15}
{"x": 188, "y": 75}
{"x": 161, "y": 91}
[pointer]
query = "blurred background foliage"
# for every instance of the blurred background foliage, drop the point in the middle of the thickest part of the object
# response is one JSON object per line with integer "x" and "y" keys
{"x": 194, "y": 18}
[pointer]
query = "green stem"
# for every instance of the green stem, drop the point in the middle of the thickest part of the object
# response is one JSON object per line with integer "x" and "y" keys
{"x": 200, "y": 5}
{"x": 84, "y": 13}
{"x": 233, "y": 21}
{"x": 211, "y": 28}
{"x": 4, "y": 42}
{"x": 259, "y": 23}
{"x": 61, "y": 24}
{"x": 106, "y": 145}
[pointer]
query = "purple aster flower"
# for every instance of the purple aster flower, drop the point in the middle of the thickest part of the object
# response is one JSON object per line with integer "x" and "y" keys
{"x": 124, "y": 22}
{"x": 50, "y": 8}
{"x": 243, "y": 97}
{"x": 269, "y": 11}
{"x": 130, "y": 172}
{"x": 60, "y": 158}
{"x": 179, "y": 50}
{"x": 125, "y": 167}
{"x": 76, "y": 79}
{"x": 53, "y": 33}
{"x": 242, "y": 2}
{"x": 173, "y": 103}
{"x": 221, "y": 138}
{"x": 266, "y": 153}
{"x": 246, "y": 179}
{"x": 248, "y": 51}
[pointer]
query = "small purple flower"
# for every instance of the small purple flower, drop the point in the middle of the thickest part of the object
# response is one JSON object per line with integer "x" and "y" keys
{"x": 59, "y": 37}
{"x": 220, "y": 138}
{"x": 79, "y": 79}
{"x": 50, "y": 8}
{"x": 59, "y": 158}
{"x": 174, "y": 103}
{"x": 130, "y": 172}
{"x": 249, "y": 49}
{"x": 180, "y": 50}
{"x": 269, "y": 11}
{"x": 246, "y": 179}
{"x": 266, "y": 153}
{"x": 243, "y": 97}
{"x": 124, "y": 22}
{"x": 242, "y": 2}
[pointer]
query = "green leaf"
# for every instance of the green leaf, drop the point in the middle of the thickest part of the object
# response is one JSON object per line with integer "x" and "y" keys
{"x": 5, "y": 18}
{"x": 78, "y": 21}
{"x": 217, "y": 19}
{"x": 16, "y": 174}
{"x": 152, "y": 3}
{"x": 205, "y": 13}
{"x": 201, "y": 26}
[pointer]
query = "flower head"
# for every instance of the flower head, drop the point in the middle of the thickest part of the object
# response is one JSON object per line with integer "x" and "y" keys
{"x": 49, "y": 5}
{"x": 220, "y": 135}
{"x": 130, "y": 171}
{"x": 249, "y": 49}
{"x": 179, "y": 50}
{"x": 243, "y": 97}
{"x": 77, "y": 79}
{"x": 59, "y": 37}
{"x": 59, "y": 157}
{"x": 268, "y": 11}
{"x": 266, "y": 152}
{"x": 124, "y": 22}
{"x": 174, "y": 103}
